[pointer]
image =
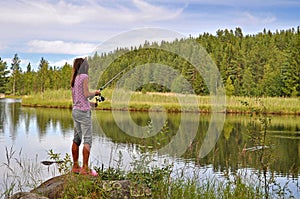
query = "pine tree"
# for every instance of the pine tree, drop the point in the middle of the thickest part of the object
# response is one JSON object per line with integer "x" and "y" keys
{"x": 15, "y": 72}
{"x": 248, "y": 87}
{"x": 28, "y": 78}
{"x": 65, "y": 76}
{"x": 229, "y": 87}
{"x": 42, "y": 73}
{"x": 3, "y": 76}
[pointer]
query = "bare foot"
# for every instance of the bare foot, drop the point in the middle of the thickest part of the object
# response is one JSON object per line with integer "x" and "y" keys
{"x": 76, "y": 169}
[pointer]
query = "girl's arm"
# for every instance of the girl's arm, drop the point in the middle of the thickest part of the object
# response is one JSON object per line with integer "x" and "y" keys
{"x": 86, "y": 91}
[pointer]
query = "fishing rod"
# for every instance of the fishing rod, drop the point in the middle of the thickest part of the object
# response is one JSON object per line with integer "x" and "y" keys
{"x": 112, "y": 79}
{"x": 99, "y": 97}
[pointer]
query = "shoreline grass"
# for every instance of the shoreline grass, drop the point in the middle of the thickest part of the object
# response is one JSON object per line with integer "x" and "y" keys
{"x": 164, "y": 181}
{"x": 168, "y": 101}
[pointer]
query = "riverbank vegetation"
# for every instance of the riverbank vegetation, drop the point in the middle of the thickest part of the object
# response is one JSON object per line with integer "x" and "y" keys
{"x": 147, "y": 181}
{"x": 147, "y": 178}
{"x": 140, "y": 101}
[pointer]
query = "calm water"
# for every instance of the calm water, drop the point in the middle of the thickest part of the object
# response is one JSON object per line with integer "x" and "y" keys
{"x": 27, "y": 134}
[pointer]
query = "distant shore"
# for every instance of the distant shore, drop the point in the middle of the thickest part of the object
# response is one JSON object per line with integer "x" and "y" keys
{"x": 169, "y": 102}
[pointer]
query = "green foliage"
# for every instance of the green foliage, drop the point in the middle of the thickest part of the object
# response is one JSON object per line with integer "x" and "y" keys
{"x": 264, "y": 64}
{"x": 15, "y": 74}
{"x": 3, "y": 76}
{"x": 258, "y": 65}
{"x": 139, "y": 101}
{"x": 229, "y": 87}
{"x": 260, "y": 144}
{"x": 63, "y": 164}
{"x": 22, "y": 173}
{"x": 32, "y": 82}
{"x": 50, "y": 98}
{"x": 160, "y": 182}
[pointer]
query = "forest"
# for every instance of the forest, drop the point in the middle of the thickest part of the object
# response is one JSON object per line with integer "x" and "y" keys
{"x": 262, "y": 64}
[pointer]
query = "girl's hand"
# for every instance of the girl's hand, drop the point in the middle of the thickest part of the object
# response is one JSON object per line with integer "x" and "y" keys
{"x": 97, "y": 92}
{"x": 93, "y": 104}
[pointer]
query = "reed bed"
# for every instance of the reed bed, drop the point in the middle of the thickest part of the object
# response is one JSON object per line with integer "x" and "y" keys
{"x": 169, "y": 101}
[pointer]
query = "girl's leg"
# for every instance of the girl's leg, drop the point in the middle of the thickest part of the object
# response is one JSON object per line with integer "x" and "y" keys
{"x": 86, "y": 154}
{"x": 87, "y": 137}
{"x": 76, "y": 140}
{"x": 75, "y": 155}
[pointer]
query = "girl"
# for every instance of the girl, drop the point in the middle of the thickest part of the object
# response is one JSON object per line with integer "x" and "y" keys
{"x": 81, "y": 114}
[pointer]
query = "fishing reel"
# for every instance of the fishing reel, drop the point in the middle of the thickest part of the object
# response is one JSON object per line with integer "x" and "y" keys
{"x": 99, "y": 98}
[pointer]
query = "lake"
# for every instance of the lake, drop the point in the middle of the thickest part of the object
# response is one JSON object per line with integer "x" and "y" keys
{"x": 120, "y": 137}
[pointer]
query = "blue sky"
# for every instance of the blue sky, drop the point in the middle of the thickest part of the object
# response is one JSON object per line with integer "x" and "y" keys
{"x": 60, "y": 30}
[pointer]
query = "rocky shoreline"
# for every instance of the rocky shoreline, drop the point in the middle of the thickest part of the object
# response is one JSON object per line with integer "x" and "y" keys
{"x": 55, "y": 187}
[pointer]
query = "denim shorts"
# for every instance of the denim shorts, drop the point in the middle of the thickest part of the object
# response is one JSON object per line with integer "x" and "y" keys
{"x": 82, "y": 126}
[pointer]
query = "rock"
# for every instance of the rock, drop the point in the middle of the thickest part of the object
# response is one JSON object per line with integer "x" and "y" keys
{"x": 125, "y": 189}
{"x": 54, "y": 188}
{"x": 27, "y": 195}
{"x": 51, "y": 188}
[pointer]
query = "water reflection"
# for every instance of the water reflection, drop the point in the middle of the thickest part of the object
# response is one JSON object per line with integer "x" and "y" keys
{"x": 37, "y": 130}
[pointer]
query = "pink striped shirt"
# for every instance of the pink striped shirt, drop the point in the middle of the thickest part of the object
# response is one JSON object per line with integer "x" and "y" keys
{"x": 79, "y": 101}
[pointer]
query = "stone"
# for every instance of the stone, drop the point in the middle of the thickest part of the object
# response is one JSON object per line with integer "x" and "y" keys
{"x": 54, "y": 187}
{"x": 27, "y": 195}
{"x": 51, "y": 188}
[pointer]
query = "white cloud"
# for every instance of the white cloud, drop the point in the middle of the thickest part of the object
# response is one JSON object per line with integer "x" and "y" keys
{"x": 247, "y": 18}
{"x": 75, "y": 27}
{"x": 8, "y": 61}
{"x": 62, "y": 62}
{"x": 2, "y": 46}
{"x": 154, "y": 12}
{"x": 32, "y": 13}
{"x": 42, "y": 46}
{"x": 88, "y": 20}
{"x": 23, "y": 63}
{"x": 252, "y": 3}
{"x": 43, "y": 13}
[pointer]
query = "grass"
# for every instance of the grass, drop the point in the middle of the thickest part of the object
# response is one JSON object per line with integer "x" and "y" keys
{"x": 169, "y": 101}
{"x": 50, "y": 98}
{"x": 22, "y": 173}
{"x": 160, "y": 181}
{"x": 274, "y": 105}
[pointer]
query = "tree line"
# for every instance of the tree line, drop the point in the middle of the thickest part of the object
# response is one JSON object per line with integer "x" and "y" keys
{"x": 262, "y": 64}
{"x": 15, "y": 81}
